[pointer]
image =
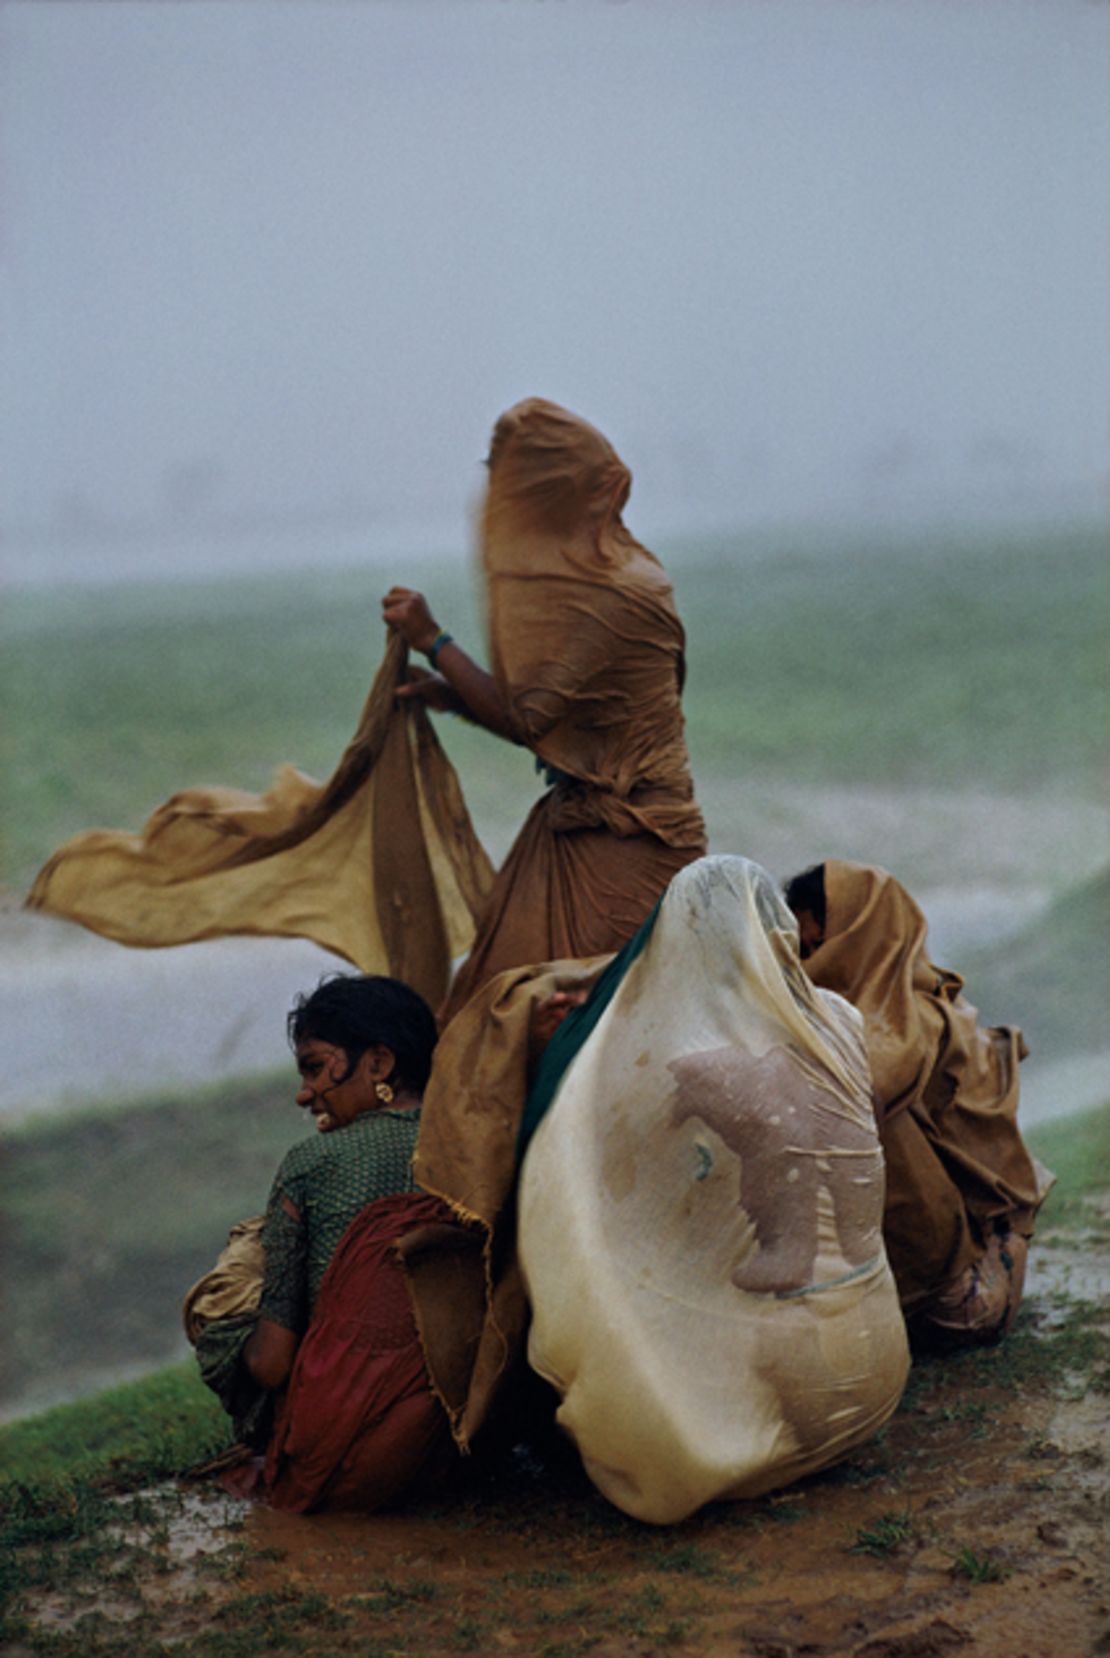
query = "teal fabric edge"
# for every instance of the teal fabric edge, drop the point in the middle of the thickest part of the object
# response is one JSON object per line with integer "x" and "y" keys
{"x": 578, "y": 1025}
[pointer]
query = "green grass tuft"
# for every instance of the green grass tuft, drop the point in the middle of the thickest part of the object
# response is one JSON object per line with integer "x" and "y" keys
{"x": 541, "y": 1578}
{"x": 395, "y": 1597}
{"x": 978, "y": 1568}
{"x": 884, "y": 1535}
{"x": 685, "y": 1558}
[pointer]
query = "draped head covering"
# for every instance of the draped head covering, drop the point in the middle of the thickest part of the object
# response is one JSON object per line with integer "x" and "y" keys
{"x": 553, "y": 474}
{"x": 700, "y": 1216}
{"x": 585, "y": 641}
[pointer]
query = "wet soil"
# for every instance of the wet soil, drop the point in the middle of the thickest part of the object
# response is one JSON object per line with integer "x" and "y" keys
{"x": 976, "y": 1523}
{"x": 1025, "y": 1500}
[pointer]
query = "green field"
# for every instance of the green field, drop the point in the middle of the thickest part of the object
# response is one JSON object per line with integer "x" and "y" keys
{"x": 966, "y": 661}
{"x": 1052, "y": 979}
{"x": 931, "y": 665}
{"x": 104, "y": 1259}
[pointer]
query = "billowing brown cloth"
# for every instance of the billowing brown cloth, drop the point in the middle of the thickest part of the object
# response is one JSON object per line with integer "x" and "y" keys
{"x": 470, "y": 1305}
{"x": 587, "y": 648}
{"x": 380, "y": 864}
{"x": 946, "y": 1089}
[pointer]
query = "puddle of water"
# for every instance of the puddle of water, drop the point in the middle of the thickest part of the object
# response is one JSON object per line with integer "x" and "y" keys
{"x": 1080, "y": 1271}
{"x": 154, "y": 1557}
{"x": 335, "y": 1551}
{"x": 190, "y": 1522}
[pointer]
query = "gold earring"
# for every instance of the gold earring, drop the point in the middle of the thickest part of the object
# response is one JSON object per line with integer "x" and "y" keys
{"x": 384, "y": 1092}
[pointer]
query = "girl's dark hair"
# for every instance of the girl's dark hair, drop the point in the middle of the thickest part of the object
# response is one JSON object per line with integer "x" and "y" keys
{"x": 807, "y": 892}
{"x": 356, "y": 1013}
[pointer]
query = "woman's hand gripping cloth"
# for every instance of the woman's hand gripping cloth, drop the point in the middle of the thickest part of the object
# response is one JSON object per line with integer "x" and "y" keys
{"x": 700, "y": 1216}
{"x": 587, "y": 650}
{"x": 946, "y": 1089}
{"x": 380, "y": 865}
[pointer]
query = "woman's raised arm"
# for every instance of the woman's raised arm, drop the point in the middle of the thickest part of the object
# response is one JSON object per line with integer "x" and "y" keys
{"x": 459, "y": 684}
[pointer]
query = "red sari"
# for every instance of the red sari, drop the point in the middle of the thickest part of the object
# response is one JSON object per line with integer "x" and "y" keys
{"x": 358, "y": 1424}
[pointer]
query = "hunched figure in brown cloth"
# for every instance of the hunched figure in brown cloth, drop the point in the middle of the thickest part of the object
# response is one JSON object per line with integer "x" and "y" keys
{"x": 587, "y": 672}
{"x": 962, "y": 1190}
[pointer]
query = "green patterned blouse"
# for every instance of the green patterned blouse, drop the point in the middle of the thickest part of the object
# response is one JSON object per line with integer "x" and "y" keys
{"x": 329, "y": 1177}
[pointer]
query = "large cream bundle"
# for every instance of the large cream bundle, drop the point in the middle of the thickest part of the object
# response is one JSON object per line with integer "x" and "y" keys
{"x": 700, "y": 1217}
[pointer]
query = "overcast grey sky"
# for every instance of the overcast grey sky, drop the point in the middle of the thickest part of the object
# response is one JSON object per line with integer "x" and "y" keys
{"x": 796, "y": 259}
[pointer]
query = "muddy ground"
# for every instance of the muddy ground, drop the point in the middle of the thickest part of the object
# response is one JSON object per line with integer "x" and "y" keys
{"x": 975, "y": 1524}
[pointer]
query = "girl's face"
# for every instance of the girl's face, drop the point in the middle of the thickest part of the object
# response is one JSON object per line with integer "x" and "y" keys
{"x": 333, "y": 1097}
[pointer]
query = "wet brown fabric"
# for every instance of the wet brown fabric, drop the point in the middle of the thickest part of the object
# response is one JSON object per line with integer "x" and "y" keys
{"x": 380, "y": 864}
{"x": 563, "y": 895}
{"x": 588, "y": 650}
{"x": 467, "y": 1290}
{"x": 946, "y": 1088}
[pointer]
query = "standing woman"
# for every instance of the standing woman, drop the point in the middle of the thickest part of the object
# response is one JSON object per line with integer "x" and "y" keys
{"x": 587, "y": 672}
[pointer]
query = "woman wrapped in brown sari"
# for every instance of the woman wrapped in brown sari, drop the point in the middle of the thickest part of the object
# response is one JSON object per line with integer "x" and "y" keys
{"x": 962, "y": 1191}
{"x": 587, "y": 672}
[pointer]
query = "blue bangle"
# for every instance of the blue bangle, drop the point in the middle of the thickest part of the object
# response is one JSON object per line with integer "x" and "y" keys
{"x": 442, "y": 638}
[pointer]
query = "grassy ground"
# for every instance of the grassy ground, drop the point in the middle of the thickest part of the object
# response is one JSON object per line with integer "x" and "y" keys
{"x": 967, "y": 661}
{"x": 972, "y": 1520}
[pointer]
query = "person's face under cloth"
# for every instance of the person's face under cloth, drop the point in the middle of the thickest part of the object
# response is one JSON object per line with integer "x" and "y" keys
{"x": 811, "y": 934}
